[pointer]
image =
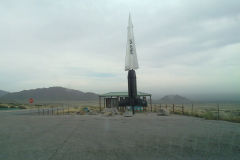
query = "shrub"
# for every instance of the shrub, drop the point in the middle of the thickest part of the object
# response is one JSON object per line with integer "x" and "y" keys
{"x": 3, "y": 106}
{"x": 209, "y": 115}
{"x": 22, "y": 107}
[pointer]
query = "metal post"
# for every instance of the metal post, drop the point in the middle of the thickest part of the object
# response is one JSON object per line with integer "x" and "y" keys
{"x": 151, "y": 102}
{"x": 182, "y": 109}
{"x": 192, "y": 109}
{"x": 104, "y": 102}
{"x": 100, "y": 103}
{"x": 218, "y": 111}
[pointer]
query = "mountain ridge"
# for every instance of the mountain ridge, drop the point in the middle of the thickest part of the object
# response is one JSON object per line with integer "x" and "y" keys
{"x": 174, "y": 99}
{"x": 49, "y": 94}
{"x": 2, "y": 92}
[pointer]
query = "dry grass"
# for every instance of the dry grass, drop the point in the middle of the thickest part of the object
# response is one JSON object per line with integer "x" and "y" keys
{"x": 12, "y": 106}
{"x": 227, "y": 112}
{"x": 82, "y": 110}
{"x": 210, "y": 112}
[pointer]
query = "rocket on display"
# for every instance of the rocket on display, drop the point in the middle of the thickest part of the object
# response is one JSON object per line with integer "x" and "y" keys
{"x": 131, "y": 64}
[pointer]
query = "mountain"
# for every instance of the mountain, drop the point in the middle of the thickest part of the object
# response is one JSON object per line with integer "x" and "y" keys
{"x": 48, "y": 95}
{"x": 3, "y": 92}
{"x": 174, "y": 99}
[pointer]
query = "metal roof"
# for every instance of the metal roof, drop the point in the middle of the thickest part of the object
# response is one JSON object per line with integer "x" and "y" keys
{"x": 122, "y": 94}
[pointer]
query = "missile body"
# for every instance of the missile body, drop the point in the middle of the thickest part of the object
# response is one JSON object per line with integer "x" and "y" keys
{"x": 132, "y": 87}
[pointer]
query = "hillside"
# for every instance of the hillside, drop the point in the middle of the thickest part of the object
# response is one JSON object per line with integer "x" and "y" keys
{"x": 174, "y": 99}
{"x": 3, "y": 92}
{"x": 49, "y": 95}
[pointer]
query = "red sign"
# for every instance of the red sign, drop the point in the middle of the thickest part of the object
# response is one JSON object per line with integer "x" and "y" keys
{"x": 30, "y": 100}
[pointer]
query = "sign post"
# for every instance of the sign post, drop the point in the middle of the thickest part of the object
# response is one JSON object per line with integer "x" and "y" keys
{"x": 31, "y": 100}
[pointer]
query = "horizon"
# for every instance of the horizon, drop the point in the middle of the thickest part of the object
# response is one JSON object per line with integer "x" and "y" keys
{"x": 185, "y": 48}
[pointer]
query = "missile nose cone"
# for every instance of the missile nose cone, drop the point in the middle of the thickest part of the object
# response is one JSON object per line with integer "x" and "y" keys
{"x": 130, "y": 20}
{"x": 131, "y": 61}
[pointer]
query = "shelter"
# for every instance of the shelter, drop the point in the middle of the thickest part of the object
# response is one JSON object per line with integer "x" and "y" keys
{"x": 111, "y": 99}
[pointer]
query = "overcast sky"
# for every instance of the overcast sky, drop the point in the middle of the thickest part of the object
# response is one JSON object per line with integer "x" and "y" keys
{"x": 186, "y": 47}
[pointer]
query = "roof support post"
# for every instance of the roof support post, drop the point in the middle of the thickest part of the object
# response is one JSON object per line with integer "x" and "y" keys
{"x": 104, "y": 102}
{"x": 100, "y": 103}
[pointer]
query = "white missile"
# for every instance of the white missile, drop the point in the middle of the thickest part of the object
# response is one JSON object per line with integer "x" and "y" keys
{"x": 131, "y": 62}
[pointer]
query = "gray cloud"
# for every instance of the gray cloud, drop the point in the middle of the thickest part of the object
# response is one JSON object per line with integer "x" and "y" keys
{"x": 187, "y": 47}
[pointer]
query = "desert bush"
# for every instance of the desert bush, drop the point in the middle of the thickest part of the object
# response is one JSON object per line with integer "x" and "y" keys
{"x": 81, "y": 112}
{"x": 232, "y": 117}
{"x": 163, "y": 112}
{"x": 22, "y": 107}
{"x": 209, "y": 115}
{"x": 210, "y": 112}
{"x": 108, "y": 113}
{"x": 3, "y": 106}
{"x": 187, "y": 113}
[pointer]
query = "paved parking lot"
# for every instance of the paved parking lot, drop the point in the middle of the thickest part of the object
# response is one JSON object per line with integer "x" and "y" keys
{"x": 145, "y": 136}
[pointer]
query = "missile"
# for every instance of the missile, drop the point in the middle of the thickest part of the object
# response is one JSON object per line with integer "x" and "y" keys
{"x": 131, "y": 64}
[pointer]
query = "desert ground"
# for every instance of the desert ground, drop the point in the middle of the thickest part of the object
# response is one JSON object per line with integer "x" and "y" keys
{"x": 27, "y": 136}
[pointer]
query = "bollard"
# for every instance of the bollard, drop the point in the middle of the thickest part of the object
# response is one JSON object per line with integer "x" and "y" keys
{"x": 182, "y": 109}
{"x": 192, "y": 109}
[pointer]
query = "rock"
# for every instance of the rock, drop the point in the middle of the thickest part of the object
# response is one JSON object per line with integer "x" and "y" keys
{"x": 112, "y": 110}
{"x": 108, "y": 114}
{"x": 81, "y": 113}
{"x": 92, "y": 113}
{"x": 163, "y": 112}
